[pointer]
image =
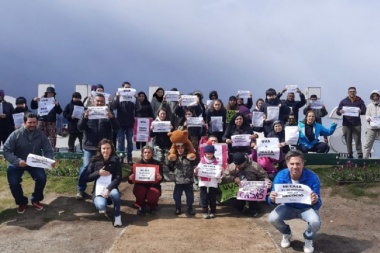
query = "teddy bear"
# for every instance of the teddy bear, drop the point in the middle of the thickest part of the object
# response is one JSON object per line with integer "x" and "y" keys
{"x": 180, "y": 136}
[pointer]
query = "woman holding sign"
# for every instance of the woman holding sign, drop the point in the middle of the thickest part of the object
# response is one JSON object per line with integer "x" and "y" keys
{"x": 105, "y": 170}
{"x": 147, "y": 192}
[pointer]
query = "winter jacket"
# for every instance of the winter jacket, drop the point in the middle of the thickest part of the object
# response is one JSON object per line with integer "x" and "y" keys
{"x": 294, "y": 105}
{"x": 348, "y": 120}
{"x": 251, "y": 172}
{"x": 6, "y": 124}
{"x": 183, "y": 170}
{"x": 231, "y": 130}
{"x": 373, "y": 109}
{"x": 318, "y": 130}
{"x": 72, "y": 123}
{"x": 283, "y": 112}
{"x": 125, "y": 111}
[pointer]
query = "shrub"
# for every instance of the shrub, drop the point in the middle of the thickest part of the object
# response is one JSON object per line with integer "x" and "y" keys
{"x": 354, "y": 173}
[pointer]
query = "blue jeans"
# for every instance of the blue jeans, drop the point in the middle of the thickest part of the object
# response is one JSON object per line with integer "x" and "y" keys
{"x": 128, "y": 133}
{"x": 101, "y": 202}
{"x": 14, "y": 175}
{"x": 283, "y": 212}
{"x": 82, "y": 179}
{"x": 189, "y": 192}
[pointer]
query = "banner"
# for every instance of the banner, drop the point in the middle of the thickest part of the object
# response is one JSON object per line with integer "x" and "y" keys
{"x": 145, "y": 173}
{"x": 45, "y": 105}
{"x": 39, "y": 161}
{"x": 268, "y": 147}
{"x": 97, "y": 112}
{"x": 141, "y": 129}
{"x": 252, "y": 190}
{"x": 228, "y": 191}
{"x": 293, "y": 193}
{"x": 101, "y": 184}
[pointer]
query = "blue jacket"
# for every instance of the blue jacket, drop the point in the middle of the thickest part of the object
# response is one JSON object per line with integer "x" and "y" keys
{"x": 308, "y": 178}
{"x": 318, "y": 130}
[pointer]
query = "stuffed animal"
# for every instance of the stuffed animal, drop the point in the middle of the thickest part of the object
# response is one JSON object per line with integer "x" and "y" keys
{"x": 180, "y": 136}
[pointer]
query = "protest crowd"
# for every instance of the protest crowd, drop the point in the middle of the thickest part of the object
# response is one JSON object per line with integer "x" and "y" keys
{"x": 255, "y": 150}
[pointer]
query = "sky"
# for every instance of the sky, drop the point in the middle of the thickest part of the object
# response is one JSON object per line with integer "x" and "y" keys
{"x": 227, "y": 45}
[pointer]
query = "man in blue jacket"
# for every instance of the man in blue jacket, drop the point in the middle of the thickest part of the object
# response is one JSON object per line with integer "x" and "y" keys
{"x": 297, "y": 174}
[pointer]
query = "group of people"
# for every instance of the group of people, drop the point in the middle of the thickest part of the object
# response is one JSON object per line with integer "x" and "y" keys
{"x": 99, "y": 137}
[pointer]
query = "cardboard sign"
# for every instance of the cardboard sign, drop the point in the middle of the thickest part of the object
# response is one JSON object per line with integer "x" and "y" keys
{"x": 18, "y": 119}
{"x": 257, "y": 119}
{"x": 145, "y": 173}
{"x": 194, "y": 121}
{"x": 220, "y": 154}
{"x": 228, "y": 191}
{"x": 252, "y": 190}
{"x": 216, "y": 124}
{"x": 189, "y": 100}
{"x": 291, "y": 88}
{"x": 375, "y": 121}
{"x": 291, "y": 135}
{"x": 293, "y": 193}
{"x": 78, "y": 111}
{"x": 316, "y": 104}
{"x": 243, "y": 94}
{"x": 273, "y": 112}
{"x": 351, "y": 111}
{"x": 209, "y": 171}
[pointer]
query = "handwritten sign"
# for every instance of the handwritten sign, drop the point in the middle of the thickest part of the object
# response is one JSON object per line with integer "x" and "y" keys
{"x": 268, "y": 147}
{"x": 217, "y": 124}
{"x": 127, "y": 94}
{"x": 18, "y": 119}
{"x": 291, "y": 88}
{"x": 161, "y": 126}
{"x": 220, "y": 154}
{"x": 39, "y": 161}
{"x": 145, "y": 173}
{"x": 351, "y": 111}
{"x": 228, "y": 191}
{"x": 257, "y": 119}
{"x": 291, "y": 135}
{"x": 194, "y": 121}
{"x": 141, "y": 129}
{"x": 45, "y": 105}
{"x": 273, "y": 112}
{"x": 209, "y": 171}
{"x": 293, "y": 193}
{"x": 241, "y": 140}
{"x": 252, "y": 190}
{"x": 375, "y": 121}
{"x": 107, "y": 96}
{"x": 172, "y": 96}
{"x": 244, "y": 93}
{"x": 316, "y": 104}
{"x": 189, "y": 100}
{"x": 78, "y": 111}
{"x": 230, "y": 114}
{"x": 101, "y": 184}
{"x": 97, "y": 112}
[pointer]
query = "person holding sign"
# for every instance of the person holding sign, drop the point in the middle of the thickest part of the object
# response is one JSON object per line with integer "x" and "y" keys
{"x": 26, "y": 140}
{"x": 105, "y": 171}
{"x": 310, "y": 132}
{"x": 193, "y": 124}
{"x": 144, "y": 112}
{"x": 19, "y": 112}
{"x": 291, "y": 102}
{"x": 319, "y": 112}
{"x": 351, "y": 108}
{"x": 147, "y": 193}
{"x": 6, "y": 120}
{"x": 291, "y": 177}
{"x": 242, "y": 169}
{"x": 48, "y": 109}
{"x": 72, "y": 114}
{"x": 373, "y": 122}
{"x": 216, "y": 119}
{"x": 209, "y": 174}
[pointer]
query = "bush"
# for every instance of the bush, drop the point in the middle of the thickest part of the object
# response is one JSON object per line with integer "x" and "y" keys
{"x": 354, "y": 173}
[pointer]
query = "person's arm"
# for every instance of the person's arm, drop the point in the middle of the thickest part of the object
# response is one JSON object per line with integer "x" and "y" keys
{"x": 34, "y": 103}
{"x": 338, "y": 110}
{"x": 8, "y": 148}
{"x": 116, "y": 177}
{"x": 249, "y": 102}
{"x": 58, "y": 108}
{"x": 363, "y": 108}
{"x": 92, "y": 173}
{"x": 327, "y": 132}
{"x": 302, "y": 102}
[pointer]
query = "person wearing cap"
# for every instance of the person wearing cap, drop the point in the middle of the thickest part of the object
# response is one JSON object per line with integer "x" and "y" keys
{"x": 232, "y": 104}
{"x": 21, "y": 105}
{"x": 243, "y": 169}
{"x": 373, "y": 130}
{"x": 48, "y": 123}
{"x": 352, "y": 125}
{"x": 126, "y": 113}
{"x": 272, "y": 101}
{"x": 291, "y": 102}
{"x": 72, "y": 121}
{"x": 6, "y": 119}
{"x": 295, "y": 174}
{"x": 208, "y": 186}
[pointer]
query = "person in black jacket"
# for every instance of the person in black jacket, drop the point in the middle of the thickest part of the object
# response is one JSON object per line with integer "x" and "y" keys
{"x": 6, "y": 119}
{"x": 48, "y": 123}
{"x": 105, "y": 170}
{"x": 292, "y": 103}
{"x": 74, "y": 132}
{"x": 145, "y": 111}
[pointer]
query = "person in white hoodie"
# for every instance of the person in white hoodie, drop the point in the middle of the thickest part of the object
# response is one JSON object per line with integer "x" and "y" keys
{"x": 208, "y": 185}
{"x": 373, "y": 127}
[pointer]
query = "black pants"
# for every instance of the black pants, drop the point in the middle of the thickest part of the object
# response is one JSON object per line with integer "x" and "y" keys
{"x": 208, "y": 199}
{"x": 72, "y": 138}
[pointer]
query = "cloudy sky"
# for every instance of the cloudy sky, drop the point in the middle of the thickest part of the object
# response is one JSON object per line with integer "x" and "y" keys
{"x": 191, "y": 44}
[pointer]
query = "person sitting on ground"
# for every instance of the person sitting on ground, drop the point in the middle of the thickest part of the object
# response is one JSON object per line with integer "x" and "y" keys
{"x": 297, "y": 174}
{"x": 106, "y": 164}
{"x": 310, "y": 132}
{"x": 147, "y": 195}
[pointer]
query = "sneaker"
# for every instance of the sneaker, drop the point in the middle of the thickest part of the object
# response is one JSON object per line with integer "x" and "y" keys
{"x": 37, "y": 205}
{"x": 286, "y": 240}
{"x": 103, "y": 211}
{"x": 178, "y": 211}
{"x": 308, "y": 248}
{"x": 141, "y": 211}
{"x": 21, "y": 209}
{"x": 190, "y": 211}
{"x": 212, "y": 215}
{"x": 79, "y": 195}
{"x": 117, "y": 222}
{"x": 205, "y": 216}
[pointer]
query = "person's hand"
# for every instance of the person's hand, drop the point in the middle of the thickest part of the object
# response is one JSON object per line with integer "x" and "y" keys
{"x": 132, "y": 176}
{"x": 109, "y": 114}
{"x": 299, "y": 91}
{"x": 106, "y": 193}
{"x": 273, "y": 196}
{"x": 117, "y": 94}
{"x": 269, "y": 183}
{"x": 237, "y": 180}
{"x": 36, "y": 99}
{"x": 3, "y": 116}
{"x": 283, "y": 90}
{"x": 53, "y": 164}
{"x": 228, "y": 141}
{"x": 159, "y": 177}
{"x": 56, "y": 103}
{"x": 104, "y": 172}
{"x": 314, "y": 198}
{"x": 86, "y": 114}
{"x": 196, "y": 172}
{"x": 22, "y": 164}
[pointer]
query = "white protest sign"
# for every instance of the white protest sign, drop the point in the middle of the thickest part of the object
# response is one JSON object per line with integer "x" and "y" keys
{"x": 209, "y": 171}
{"x": 101, "y": 184}
{"x": 145, "y": 174}
{"x": 273, "y": 112}
{"x": 257, "y": 119}
{"x": 39, "y": 161}
{"x": 161, "y": 126}
{"x": 97, "y": 112}
{"x": 127, "y": 94}
{"x": 351, "y": 111}
{"x": 316, "y": 104}
{"x": 141, "y": 137}
{"x": 45, "y": 105}
{"x": 18, "y": 119}
{"x": 268, "y": 147}
{"x": 208, "y": 103}
{"x": 293, "y": 193}
{"x": 217, "y": 124}
{"x": 142, "y": 125}
{"x": 291, "y": 135}
{"x": 241, "y": 140}
{"x": 291, "y": 88}
{"x": 194, "y": 122}
{"x": 252, "y": 190}
{"x": 244, "y": 93}
{"x": 78, "y": 111}
{"x": 106, "y": 96}
{"x": 189, "y": 100}
{"x": 375, "y": 121}
{"x": 171, "y": 96}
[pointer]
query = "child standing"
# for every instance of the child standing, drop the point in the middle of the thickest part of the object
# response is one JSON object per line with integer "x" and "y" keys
{"x": 208, "y": 186}
{"x": 184, "y": 178}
